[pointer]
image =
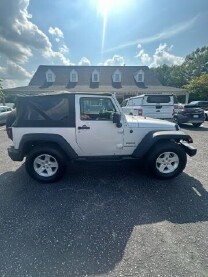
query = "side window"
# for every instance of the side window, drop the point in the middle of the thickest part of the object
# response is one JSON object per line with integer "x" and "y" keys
{"x": 131, "y": 103}
{"x": 124, "y": 103}
{"x": 2, "y": 109}
{"x": 50, "y": 109}
{"x": 95, "y": 108}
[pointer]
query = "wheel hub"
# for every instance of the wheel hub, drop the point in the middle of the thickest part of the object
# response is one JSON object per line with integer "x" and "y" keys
{"x": 45, "y": 165}
{"x": 167, "y": 162}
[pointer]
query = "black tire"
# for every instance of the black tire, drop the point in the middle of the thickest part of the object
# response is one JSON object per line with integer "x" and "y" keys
{"x": 166, "y": 150}
{"x": 56, "y": 161}
{"x": 175, "y": 119}
{"x": 196, "y": 124}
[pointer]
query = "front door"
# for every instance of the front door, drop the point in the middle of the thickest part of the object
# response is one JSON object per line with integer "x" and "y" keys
{"x": 96, "y": 133}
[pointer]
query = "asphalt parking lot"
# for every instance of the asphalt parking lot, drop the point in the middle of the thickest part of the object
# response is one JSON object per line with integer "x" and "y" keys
{"x": 107, "y": 219}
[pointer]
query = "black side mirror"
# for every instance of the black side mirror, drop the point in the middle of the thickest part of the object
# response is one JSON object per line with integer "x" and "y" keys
{"x": 117, "y": 120}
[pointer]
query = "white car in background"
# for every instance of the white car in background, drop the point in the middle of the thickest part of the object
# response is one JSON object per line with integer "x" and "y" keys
{"x": 4, "y": 112}
{"x": 150, "y": 105}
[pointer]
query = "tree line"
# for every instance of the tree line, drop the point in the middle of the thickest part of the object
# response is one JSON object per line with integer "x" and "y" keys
{"x": 192, "y": 74}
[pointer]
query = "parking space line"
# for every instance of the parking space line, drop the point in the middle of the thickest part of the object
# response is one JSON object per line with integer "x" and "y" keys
{"x": 1, "y": 129}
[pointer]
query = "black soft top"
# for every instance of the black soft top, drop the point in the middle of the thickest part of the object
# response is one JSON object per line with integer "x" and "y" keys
{"x": 54, "y": 110}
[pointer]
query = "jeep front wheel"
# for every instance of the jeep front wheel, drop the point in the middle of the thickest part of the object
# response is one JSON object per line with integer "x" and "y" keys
{"x": 45, "y": 164}
{"x": 167, "y": 160}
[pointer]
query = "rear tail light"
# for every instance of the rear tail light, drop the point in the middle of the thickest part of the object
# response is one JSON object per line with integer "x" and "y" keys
{"x": 184, "y": 111}
{"x": 9, "y": 133}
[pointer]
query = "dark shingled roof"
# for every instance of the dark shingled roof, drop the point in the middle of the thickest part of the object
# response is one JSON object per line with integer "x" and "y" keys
{"x": 128, "y": 85}
{"x": 62, "y": 74}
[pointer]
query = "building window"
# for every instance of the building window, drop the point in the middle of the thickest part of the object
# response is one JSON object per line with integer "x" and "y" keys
{"x": 73, "y": 76}
{"x": 50, "y": 76}
{"x": 139, "y": 76}
{"x": 117, "y": 76}
{"x": 95, "y": 76}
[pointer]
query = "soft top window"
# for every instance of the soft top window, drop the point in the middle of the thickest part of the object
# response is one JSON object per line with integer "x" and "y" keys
{"x": 53, "y": 109}
{"x": 158, "y": 99}
{"x": 46, "y": 111}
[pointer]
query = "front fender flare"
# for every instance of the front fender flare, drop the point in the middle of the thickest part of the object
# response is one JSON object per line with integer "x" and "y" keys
{"x": 155, "y": 136}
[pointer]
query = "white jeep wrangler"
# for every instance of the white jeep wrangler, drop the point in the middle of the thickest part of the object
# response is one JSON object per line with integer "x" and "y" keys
{"x": 50, "y": 129}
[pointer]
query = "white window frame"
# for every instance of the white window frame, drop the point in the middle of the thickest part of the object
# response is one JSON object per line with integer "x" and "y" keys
{"x": 73, "y": 76}
{"x": 116, "y": 74}
{"x": 137, "y": 76}
{"x": 94, "y": 73}
{"x": 50, "y": 76}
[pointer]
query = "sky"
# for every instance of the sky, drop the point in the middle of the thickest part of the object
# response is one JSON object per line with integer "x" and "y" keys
{"x": 97, "y": 32}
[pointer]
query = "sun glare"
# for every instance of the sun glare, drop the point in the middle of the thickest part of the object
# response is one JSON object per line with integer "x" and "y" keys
{"x": 104, "y": 7}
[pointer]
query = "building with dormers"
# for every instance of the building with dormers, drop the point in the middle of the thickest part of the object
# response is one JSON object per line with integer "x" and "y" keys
{"x": 123, "y": 81}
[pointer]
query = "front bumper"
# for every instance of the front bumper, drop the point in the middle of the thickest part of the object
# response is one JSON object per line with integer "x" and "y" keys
{"x": 190, "y": 150}
{"x": 15, "y": 154}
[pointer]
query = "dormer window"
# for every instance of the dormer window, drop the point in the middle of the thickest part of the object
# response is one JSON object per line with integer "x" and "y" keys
{"x": 139, "y": 76}
{"x": 95, "y": 76}
{"x": 50, "y": 76}
{"x": 73, "y": 76}
{"x": 117, "y": 76}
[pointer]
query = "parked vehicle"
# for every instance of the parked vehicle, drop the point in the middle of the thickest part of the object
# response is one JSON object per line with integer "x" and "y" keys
{"x": 206, "y": 115}
{"x": 188, "y": 114}
{"x": 150, "y": 105}
{"x": 50, "y": 130}
{"x": 200, "y": 104}
{"x": 4, "y": 112}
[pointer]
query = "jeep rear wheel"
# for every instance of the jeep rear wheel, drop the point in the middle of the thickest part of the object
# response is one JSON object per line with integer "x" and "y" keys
{"x": 45, "y": 164}
{"x": 167, "y": 160}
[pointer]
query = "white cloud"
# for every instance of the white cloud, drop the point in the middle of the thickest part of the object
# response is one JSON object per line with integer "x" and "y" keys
{"x": 56, "y": 32}
{"x": 8, "y": 83}
{"x": 63, "y": 49}
{"x": 14, "y": 75}
{"x": 143, "y": 57}
{"x": 84, "y": 61}
{"x": 115, "y": 60}
{"x": 19, "y": 36}
{"x": 167, "y": 33}
{"x": 163, "y": 56}
{"x": 14, "y": 71}
{"x": 57, "y": 57}
{"x": 15, "y": 51}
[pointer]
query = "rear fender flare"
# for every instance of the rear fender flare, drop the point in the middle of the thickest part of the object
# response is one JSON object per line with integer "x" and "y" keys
{"x": 42, "y": 138}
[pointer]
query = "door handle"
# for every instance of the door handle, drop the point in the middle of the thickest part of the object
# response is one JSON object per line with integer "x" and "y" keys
{"x": 84, "y": 127}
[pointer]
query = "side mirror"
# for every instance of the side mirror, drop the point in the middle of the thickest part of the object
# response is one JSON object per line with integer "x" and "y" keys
{"x": 117, "y": 120}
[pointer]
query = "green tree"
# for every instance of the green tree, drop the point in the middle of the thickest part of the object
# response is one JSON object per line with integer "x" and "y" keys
{"x": 198, "y": 86}
{"x": 194, "y": 65}
{"x": 170, "y": 75}
{"x": 2, "y": 97}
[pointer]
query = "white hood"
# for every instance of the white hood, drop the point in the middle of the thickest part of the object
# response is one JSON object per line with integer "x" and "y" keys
{"x": 147, "y": 122}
